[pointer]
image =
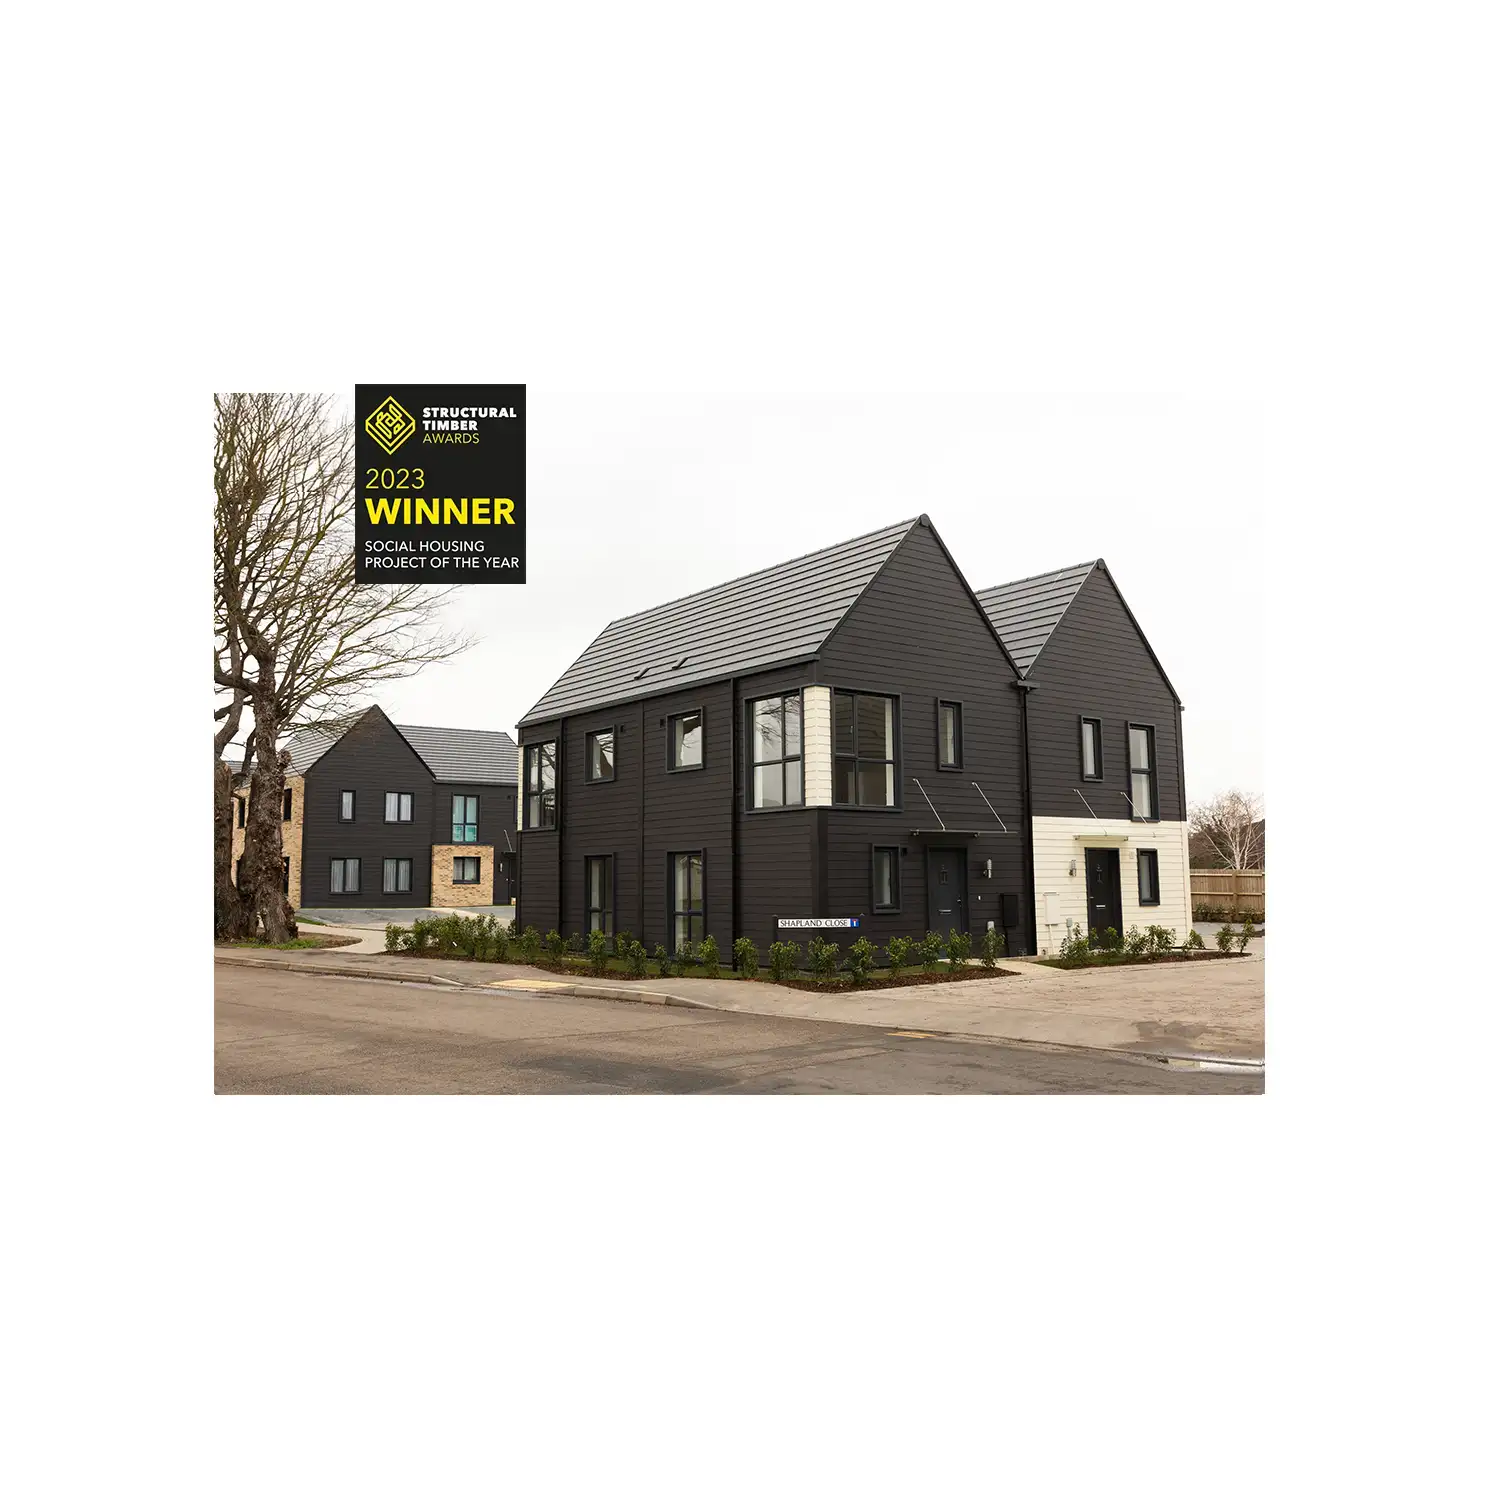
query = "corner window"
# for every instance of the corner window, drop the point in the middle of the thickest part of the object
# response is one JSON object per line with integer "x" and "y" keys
{"x": 864, "y": 750}
{"x": 343, "y": 877}
{"x": 466, "y": 820}
{"x": 466, "y": 869}
{"x": 540, "y": 784}
{"x": 398, "y": 807}
{"x": 599, "y": 893}
{"x": 346, "y": 807}
{"x": 685, "y": 741}
{"x": 686, "y": 882}
{"x": 1091, "y": 749}
{"x": 886, "y": 874}
{"x": 1142, "y": 773}
{"x": 599, "y": 755}
{"x": 1146, "y": 875}
{"x": 776, "y": 751}
{"x": 396, "y": 876}
{"x": 950, "y": 736}
{"x": 286, "y": 805}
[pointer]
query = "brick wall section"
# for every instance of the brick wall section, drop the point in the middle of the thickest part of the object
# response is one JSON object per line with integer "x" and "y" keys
{"x": 445, "y": 893}
{"x": 291, "y": 837}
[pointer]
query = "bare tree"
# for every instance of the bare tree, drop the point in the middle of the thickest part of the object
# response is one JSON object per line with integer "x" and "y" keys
{"x": 1233, "y": 825}
{"x": 297, "y": 639}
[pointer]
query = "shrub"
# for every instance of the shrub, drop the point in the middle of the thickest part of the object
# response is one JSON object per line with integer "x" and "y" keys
{"x": 1243, "y": 936}
{"x": 683, "y": 958}
{"x": 635, "y": 958}
{"x": 421, "y": 935}
{"x": 393, "y": 937}
{"x": 555, "y": 944}
{"x": 1074, "y": 951}
{"x": 598, "y": 953}
{"x": 860, "y": 959}
{"x": 1109, "y": 941}
{"x": 1136, "y": 942}
{"x": 708, "y": 956}
{"x": 991, "y": 946}
{"x": 623, "y": 939}
{"x": 822, "y": 958}
{"x": 576, "y": 942}
{"x": 784, "y": 958}
{"x": 531, "y": 945}
{"x": 960, "y": 946}
{"x": 746, "y": 958}
{"x": 499, "y": 945}
{"x": 1194, "y": 940}
{"x": 659, "y": 955}
{"x": 898, "y": 950}
{"x": 930, "y": 953}
{"x": 1160, "y": 940}
{"x": 1224, "y": 938}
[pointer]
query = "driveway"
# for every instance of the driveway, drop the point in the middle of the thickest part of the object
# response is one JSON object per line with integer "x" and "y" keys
{"x": 378, "y": 916}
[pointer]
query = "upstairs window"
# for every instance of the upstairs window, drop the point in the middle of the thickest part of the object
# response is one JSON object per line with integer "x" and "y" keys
{"x": 950, "y": 736}
{"x": 864, "y": 750}
{"x": 286, "y": 805}
{"x": 540, "y": 784}
{"x": 343, "y": 877}
{"x": 465, "y": 820}
{"x": 1091, "y": 749}
{"x": 1148, "y": 879}
{"x": 776, "y": 751}
{"x": 346, "y": 807}
{"x": 396, "y": 876}
{"x": 685, "y": 741}
{"x": 599, "y": 755}
{"x": 398, "y": 807}
{"x": 599, "y": 891}
{"x": 1142, "y": 773}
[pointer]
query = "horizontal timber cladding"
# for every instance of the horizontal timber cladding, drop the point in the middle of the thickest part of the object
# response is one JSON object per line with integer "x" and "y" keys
{"x": 779, "y": 850}
{"x": 918, "y": 633}
{"x": 370, "y": 760}
{"x": 537, "y": 903}
{"x": 1097, "y": 665}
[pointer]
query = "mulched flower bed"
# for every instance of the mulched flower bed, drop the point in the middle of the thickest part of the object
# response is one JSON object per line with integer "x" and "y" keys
{"x": 1122, "y": 960}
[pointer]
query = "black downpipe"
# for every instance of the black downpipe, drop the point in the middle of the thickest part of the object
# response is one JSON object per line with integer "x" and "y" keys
{"x": 734, "y": 811}
{"x": 640, "y": 895}
{"x": 1028, "y": 853}
{"x": 562, "y": 779}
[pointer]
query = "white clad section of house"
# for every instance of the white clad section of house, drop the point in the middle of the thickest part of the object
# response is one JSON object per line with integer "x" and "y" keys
{"x": 817, "y": 746}
{"x": 1058, "y": 846}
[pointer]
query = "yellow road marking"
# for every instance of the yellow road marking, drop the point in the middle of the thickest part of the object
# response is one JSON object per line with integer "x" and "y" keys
{"x": 927, "y": 1034}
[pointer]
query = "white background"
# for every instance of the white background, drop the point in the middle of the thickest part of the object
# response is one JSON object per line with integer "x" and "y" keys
{"x": 1285, "y": 211}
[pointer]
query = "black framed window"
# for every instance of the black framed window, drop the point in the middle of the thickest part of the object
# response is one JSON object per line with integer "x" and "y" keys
{"x": 398, "y": 807}
{"x": 466, "y": 869}
{"x": 540, "y": 785}
{"x": 885, "y": 874}
{"x": 343, "y": 877}
{"x": 286, "y": 874}
{"x": 950, "y": 736}
{"x": 685, "y": 741}
{"x": 239, "y": 803}
{"x": 1142, "y": 772}
{"x": 599, "y": 893}
{"x": 685, "y": 890}
{"x": 599, "y": 755}
{"x": 864, "y": 750}
{"x": 395, "y": 876}
{"x": 286, "y": 805}
{"x": 465, "y": 820}
{"x": 1148, "y": 878}
{"x": 1091, "y": 749}
{"x": 776, "y": 751}
{"x": 346, "y": 807}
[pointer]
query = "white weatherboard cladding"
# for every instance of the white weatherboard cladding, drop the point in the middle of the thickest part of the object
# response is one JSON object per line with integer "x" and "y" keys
{"x": 817, "y": 746}
{"x": 1057, "y": 844}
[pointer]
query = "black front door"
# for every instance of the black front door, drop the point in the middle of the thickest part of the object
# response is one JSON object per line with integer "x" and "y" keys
{"x": 947, "y": 881}
{"x": 1103, "y": 867}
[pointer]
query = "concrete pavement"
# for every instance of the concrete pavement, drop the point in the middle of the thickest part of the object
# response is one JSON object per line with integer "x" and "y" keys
{"x": 280, "y": 1032}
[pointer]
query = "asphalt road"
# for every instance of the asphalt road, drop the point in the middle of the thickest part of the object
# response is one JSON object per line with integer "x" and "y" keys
{"x": 283, "y": 1033}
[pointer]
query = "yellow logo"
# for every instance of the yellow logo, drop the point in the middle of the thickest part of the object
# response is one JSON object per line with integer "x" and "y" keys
{"x": 390, "y": 424}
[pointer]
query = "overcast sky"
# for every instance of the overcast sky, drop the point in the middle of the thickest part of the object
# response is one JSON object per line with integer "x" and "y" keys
{"x": 634, "y": 500}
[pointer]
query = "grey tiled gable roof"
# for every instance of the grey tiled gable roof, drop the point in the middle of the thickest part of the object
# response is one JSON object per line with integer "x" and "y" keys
{"x": 481, "y": 755}
{"x": 1026, "y": 612}
{"x": 778, "y": 614}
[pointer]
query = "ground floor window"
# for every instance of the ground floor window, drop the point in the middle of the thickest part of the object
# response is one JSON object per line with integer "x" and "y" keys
{"x": 687, "y": 898}
{"x": 599, "y": 887}
{"x": 1147, "y": 877}
{"x": 286, "y": 874}
{"x": 343, "y": 877}
{"x": 887, "y": 878}
{"x": 466, "y": 869}
{"x": 397, "y": 876}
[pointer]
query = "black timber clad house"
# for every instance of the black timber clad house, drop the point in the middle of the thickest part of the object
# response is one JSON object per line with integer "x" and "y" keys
{"x": 1108, "y": 832}
{"x": 450, "y": 828}
{"x": 830, "y": 737}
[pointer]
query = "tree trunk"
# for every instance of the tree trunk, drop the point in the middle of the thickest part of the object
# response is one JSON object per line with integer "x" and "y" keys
{"x": 260, "y": 875}
{"x": 232, "y": 918}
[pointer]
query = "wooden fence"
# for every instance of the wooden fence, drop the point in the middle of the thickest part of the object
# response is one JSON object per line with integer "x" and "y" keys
{"x": 1238, "y": 891}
